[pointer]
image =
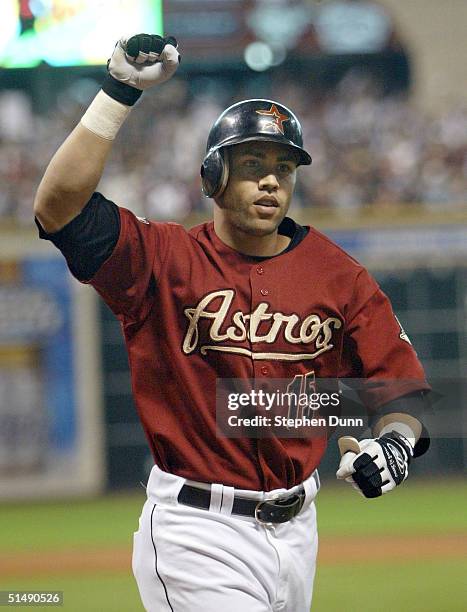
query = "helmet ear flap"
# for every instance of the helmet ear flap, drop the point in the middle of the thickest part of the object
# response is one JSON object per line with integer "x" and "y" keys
{"x": 214, "y": 173}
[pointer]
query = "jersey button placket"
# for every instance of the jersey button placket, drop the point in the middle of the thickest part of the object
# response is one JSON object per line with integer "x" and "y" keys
{"x": 256, "y": 272}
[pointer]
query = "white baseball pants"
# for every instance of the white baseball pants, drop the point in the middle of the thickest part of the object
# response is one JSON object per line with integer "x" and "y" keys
{"x": 190, "y": 560}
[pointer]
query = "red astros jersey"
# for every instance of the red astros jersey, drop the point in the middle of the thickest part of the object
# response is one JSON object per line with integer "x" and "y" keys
{"x": 193, "y": 309}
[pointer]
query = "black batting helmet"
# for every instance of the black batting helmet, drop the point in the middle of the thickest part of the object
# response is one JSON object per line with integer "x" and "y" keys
{"x": 256, "y": 119}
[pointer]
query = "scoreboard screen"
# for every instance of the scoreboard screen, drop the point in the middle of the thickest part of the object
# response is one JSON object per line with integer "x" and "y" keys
{"x": 71, "y": 32}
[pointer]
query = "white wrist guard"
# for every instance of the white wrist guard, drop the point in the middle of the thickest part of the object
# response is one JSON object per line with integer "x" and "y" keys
{"x": 105, "y": 116}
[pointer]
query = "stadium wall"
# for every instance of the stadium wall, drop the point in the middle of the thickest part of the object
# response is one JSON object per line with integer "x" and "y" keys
{"x": 434, "y": 33}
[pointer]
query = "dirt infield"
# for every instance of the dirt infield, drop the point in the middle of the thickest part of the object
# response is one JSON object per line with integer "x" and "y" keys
{"x": 333, "y": 550}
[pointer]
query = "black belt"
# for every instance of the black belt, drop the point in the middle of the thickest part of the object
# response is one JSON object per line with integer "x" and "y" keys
{"x": 269, "y": 511}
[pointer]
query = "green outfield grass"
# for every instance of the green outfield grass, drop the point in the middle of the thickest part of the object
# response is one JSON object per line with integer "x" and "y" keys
{"x": 113, "y": 592}
{"x": 429, "y": 586}
{"x": 431, "y": 506}
{"x": 418, "y": 508}
{"x": 106, "y": 521}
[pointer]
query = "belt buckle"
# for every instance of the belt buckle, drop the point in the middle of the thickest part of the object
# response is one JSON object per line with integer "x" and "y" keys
{"x": 258, "y": 508}
{"x": 298, "y": 501}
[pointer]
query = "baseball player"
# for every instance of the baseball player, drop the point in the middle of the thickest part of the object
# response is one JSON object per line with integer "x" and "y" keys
{"x": 229, "y": 523}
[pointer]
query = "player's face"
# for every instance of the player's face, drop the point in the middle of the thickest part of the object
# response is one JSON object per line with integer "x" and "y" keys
{"x": 261, "y": 182}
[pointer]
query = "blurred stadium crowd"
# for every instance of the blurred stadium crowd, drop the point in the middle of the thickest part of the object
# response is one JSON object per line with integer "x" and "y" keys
{"x": 368, "y": 149}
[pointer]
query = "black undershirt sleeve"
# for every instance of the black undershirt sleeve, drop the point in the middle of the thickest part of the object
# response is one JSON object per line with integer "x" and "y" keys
{"x": 89, "y": 239}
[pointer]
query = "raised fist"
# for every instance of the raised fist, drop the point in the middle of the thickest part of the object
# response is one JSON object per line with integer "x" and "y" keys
{"x": 144, "y": 60}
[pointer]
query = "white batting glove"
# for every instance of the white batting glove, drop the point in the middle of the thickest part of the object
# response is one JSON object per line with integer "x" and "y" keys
{"x": 382, "y": 464}
{"x": 136, "y": 64}
{"x": 144, "y": 60}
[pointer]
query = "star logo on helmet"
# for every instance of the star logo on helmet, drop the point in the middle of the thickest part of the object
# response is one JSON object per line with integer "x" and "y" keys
{"x": 277, "y": 117}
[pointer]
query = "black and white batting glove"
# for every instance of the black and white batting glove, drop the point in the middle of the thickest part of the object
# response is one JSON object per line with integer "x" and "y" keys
{"x": 382, "y": 464}
{"x": 138, "y": 63}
